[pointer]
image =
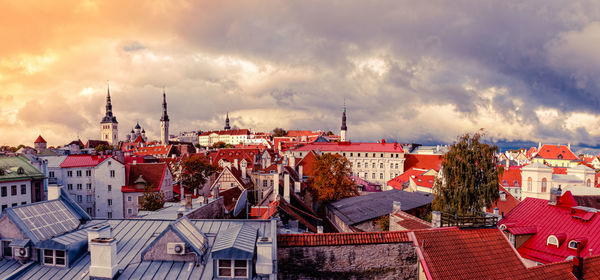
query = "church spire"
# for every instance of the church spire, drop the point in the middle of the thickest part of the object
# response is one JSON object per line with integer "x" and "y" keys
{"x": 227, "y": 127}
{"x": 108, "y": 117}
{"x": 164, "y": 116}
{"x": 344, "y": 128}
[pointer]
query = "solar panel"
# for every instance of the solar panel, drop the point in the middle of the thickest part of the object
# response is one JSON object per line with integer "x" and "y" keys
{"x": 47, "y": 219}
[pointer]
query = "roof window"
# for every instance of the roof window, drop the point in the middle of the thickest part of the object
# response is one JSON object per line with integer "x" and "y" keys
{"x": 556, "y": 239}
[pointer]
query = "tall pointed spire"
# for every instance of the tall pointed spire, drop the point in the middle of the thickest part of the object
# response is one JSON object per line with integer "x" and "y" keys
{"x": 108, "y": 117}
{"x": 227, "y": 127}
{"x": 344, "y": 128}
{"x": 165, "y": 116}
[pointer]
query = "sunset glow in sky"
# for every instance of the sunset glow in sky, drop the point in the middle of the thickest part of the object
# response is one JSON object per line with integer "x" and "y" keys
{"x": 411, "y": 71}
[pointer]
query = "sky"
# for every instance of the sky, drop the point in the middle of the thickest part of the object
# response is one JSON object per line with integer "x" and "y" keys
{"x": 414, "y": 71}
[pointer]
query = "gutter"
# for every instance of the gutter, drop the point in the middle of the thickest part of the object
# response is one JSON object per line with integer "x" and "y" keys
{"x": 413, "y": 238}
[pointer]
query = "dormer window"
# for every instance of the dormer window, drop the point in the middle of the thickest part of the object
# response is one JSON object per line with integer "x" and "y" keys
{"x": 552, "y": 240}
{"x": 55, "y": 257}
{"x": 573, "y": 244}
{"x": 502, "y": 227}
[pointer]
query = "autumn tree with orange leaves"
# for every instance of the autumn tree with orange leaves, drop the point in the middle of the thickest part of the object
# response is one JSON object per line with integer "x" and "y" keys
{"x": 331, "y": 180}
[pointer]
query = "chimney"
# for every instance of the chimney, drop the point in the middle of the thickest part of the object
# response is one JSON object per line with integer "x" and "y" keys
{"x": 279, "y": 168}
{"x": 297, "y": 187}
{"x": 54, "y": 191}
{"x": 436, "y": 219}
{"x": 554, "y": 196}
{"x": 319, "y": 229}
{"x": 286, "y": 186}
{"x": 243, "y": 170}
{"x": 539, "y": 146}
{"x": 215, "y": 193}
{"x": 300, "y": 173}
{"x": 569, "y": 146}
{"x": 103, "y": 257}
{"x": 275, "y": 186}
{"x": 188, "y": 202}
{"x": 396, "y": 206}
{"x": 496, "y": 211}
{"x": 235, "y": 163}
{"x": 292, "y": 161}
{"x": 502, "y": 196}
{"x": 578, "y": 264}
{"x": 264, "y": 256}
{"x": 99, "y": 231}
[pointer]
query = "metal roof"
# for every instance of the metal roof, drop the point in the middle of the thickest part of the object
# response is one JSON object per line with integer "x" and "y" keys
{"x": 134, "y": 235}
{"x": 7, "y": 267}
{"x": 10, "y": 166}
{"x": 237, "y": 242}
{"x": 190, "y": 233}
{"x": 362, "y": 208}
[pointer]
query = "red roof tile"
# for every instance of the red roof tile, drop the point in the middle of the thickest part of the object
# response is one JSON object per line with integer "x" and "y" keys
{"x": 425, "y": 181}
{"x": 403, "y": 178}
{"x": 511, "y": 177}
{"x": 82, "y": 161}
{"x": 423, "y": 162}
{"x": 152, "y": 173}
{"x": 506, "y": 205}
{"x": 307, "y": 164}
{"x": 337, "y": 239}
{"x": 40, "y": 139}
{"x": 353, "y": 147}
{"x": 410, "y": 222}
{"x": 450, "y": 253}
{"x": 556, "y": 152}
{"x": 553, "y": 220}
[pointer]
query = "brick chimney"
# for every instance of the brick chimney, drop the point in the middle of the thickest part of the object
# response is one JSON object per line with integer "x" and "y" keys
{"x": 300, "y": 172}
{"x": 286, "y": 186}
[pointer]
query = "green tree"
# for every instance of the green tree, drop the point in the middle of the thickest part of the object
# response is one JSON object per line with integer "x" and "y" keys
{"x": 470, "y": 176}
{"x": 194, "y": 171}
{"x": 152, "y": 200}
{"x": 279, "y": 132}
{"x": 221, "y": 145}
{"x": 331, "y": 178}
{"x": 329, "y": 133}
{"x": 102, "y": 148}
{"x": 383, "y": 223}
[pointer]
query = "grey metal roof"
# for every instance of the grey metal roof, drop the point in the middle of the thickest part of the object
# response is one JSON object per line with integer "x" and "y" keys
{"x": 237, "y": 242}
{"x": 362, "y": 208}
{"x": 44, "y": 220}
{"x": 134, "y": 235}
{"x": 7, "y": 267}
{"x": 190, "y": 233}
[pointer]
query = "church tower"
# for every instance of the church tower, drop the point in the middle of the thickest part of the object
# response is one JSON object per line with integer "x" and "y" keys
{"x": 109, "y": 125}
{"x": 344, "y": 129}
{"x": 227, "y": 127}
{"x": 164, "y": 122}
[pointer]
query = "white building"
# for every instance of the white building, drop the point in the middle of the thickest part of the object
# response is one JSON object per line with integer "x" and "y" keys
{"x": 20, "y": 182}
{"x": 538, "y": 179}
{"x": 95, "y": 182}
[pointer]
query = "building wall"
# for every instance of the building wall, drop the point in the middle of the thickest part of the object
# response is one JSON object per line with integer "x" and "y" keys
{"x": 374, "y": 167}
{"x": 373, "y": 261}
{"x": 212, "y": 210}
{"x": 8, "y": 230}
{"x": 19, "y": 199}
{"x": 159, "y": 250}
{"x": 102, "y": 179}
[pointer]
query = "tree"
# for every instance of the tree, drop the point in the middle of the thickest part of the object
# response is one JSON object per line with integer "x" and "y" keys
{"x": 329, "y": 133}
{"x": 331, "y": 178}
{"x": 102, "y": 148}
{"x": 279, "y": 132}
{"x": 383, "y": 223}
{"x": 470, "y": 176}
{"x": 152, "y": 200}
{"x": 194, "y": 171}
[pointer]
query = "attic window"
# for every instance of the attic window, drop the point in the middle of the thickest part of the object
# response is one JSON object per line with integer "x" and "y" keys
{"x": 573, "y": 244}
{"x": 502, "y": 227}
{"x": 1, "y": 172}
{"x": 20, "y": 170}
{"x": 552, "y": 240}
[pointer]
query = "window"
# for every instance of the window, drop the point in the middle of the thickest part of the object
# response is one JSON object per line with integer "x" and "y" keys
{"x": 51, "y": 174}
{"x": 588, "y": 183}
{"x": 23, "y": 189}
{"x": 109, "y": 188}
{"x": 396, "y": 165}
{"x": 381, "y": 155}
{"x": 109, "y": 202}
{"x": 373, "y": 154}
{"x": 4, "y": 191}
{"x": 24, "y": 202}
{"x": 129, "y": 198}
{"x": 380, "y": 175}
{"x": 344, "y": 154}
{"x": 544, "y": 184}
{"x": 529, "y": 183}
{"x": 109, "y": 214}
{"x": 552, "y": 240}
{"x": 232, "y": 268}
{"x": 70, "y": 187}
{"x": 79, "y": 198}
{"x": 573, "y": 244}
{"x": 78, "y": 172}
{"x": 4, "y": 206}
{"x": 391, "y": 166}
{"x": 79, "y": 186}
{"x": 351, "y": 154}
{"x": 69, "y": 173}
{"x": 381, "y": 165}
{"x": 13, "y": 205}
{"x": 109, "y": 162}
{"x": 88, "y": 173}
{"x": 6, "y": 249}
{"x": 88, "y": 198}
{"x": 88, "y": 210}
{"x": 358, "y": 155}
{"x": 373, "y": 165}
{"x": 372, "y": 175}
{"x": 13, "y": 190}
{"x": 358, "y": 165}
{"x": 112, "y": 173}
{"x": 88, "y": 186}
{"x": 129, "y": 211}
{"x": 55, "y": 257}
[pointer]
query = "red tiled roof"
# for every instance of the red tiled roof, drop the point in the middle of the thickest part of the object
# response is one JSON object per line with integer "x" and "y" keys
{"x": 307, "y": 164}
{"x": 450, "y": 253}
{"x": 230, "y": 155}
{"x": 152, "y": 173}
{"x": 531, "y": 151}
{"x": 522, "y": 230}
{"x": 554, "y": 151}
{"x": 82, "y": 161}
{"x": 228, "y": 132}
{"x": 559, "y": 170}
{"x": 553, "y": 220}
{"x": 397, "y": 182}
{"x": 562, "y": 270}
{"x": 40, "y": 139}
{"x": 410, "y": 222}
{"x": 337, "y": 239}
{"x": 504, "y": 206}
{"x": 511, "y": 177}
{"x": 161, "y": 151}
{"x": 353, "y": 147}
{"x": 423, "y": 162}
{"x": 425, "y": 181}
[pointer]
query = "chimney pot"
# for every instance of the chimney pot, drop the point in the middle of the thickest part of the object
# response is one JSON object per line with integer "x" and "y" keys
{"x": 54, "y": 191}
{"x": 103, "y": 254}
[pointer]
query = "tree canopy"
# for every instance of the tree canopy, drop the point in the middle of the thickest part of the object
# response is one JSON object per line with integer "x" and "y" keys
{"x": 221, "y": 145}
{"x": 331, "y": 180}
{"x": 151, "y": 200}
{"x": 279, "y": 132}
{"x": 470, "y": 176}
{"x": 194, "y": 171}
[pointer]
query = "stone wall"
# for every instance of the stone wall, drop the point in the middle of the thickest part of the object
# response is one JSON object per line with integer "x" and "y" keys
{"x": 212, "y": 210}
{"x": 373, "y": 261}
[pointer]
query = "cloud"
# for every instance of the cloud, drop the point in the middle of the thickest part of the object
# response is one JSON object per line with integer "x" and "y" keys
{"x": 411, "y": 71}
